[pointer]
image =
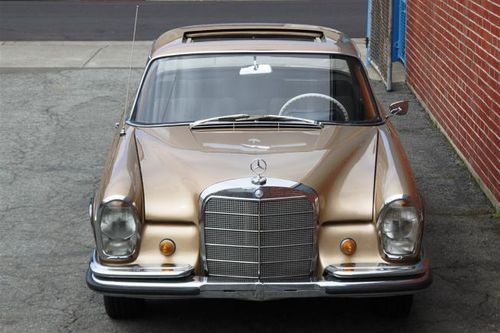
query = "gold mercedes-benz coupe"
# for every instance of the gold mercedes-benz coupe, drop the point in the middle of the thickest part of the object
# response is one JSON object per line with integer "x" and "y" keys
{"x": 255, "y": 163}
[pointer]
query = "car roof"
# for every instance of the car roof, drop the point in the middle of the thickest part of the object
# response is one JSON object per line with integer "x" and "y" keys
{"x": 268, "y": 37}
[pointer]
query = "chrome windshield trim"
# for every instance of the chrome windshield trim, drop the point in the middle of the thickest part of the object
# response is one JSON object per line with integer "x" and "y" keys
{"x": 376, "y": 270}
{"x": 287, "y": 125}
{"x": 257, "y": 124}
{"x": 139, "y": 271}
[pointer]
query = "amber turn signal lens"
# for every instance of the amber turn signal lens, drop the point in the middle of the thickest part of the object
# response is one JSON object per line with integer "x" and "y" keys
{"x": 348, "y": 246}
{"x": 167, "y": 247}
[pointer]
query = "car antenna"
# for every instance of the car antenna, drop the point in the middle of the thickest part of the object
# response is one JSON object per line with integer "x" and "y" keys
{"x": 122, "y": 131}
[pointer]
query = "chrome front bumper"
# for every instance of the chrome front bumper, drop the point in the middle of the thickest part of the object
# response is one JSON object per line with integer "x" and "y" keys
{"x": 179, "y": 282}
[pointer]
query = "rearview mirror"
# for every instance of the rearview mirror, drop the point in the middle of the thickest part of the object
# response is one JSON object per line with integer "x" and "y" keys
{"x": 398, "y": 108}
{"x": 256, "y": 69}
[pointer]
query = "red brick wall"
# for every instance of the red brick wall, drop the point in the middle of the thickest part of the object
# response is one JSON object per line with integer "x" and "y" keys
{"x": 453, "y": 66}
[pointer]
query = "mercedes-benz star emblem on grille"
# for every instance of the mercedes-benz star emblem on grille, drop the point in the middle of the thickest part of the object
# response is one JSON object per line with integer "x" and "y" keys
{"x": 258, "y": 193}
{"x": 258, "y": 166}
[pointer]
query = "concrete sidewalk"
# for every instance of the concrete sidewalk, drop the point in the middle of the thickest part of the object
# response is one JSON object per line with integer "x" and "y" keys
{"x": 57, "y": 54}
{"x": 111, "y": 54}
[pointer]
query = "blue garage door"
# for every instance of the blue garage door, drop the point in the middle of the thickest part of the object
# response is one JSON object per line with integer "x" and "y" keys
{"x": 399, "y": 31}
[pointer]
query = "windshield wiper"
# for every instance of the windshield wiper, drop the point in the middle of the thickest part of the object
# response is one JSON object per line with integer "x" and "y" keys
{"x": 230, "y": 118}
{"x": 245, "y": 118}
{"x": 274, "y": 117}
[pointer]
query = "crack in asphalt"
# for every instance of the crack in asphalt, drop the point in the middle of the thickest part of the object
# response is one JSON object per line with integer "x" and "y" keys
{"x": 94, "y": 55}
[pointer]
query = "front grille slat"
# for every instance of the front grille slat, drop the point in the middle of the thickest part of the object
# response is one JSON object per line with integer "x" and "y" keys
{"x": 286, "y": 237}
{"x": 231, "y": 237}
{"x": 264, "y": 239}
{"x": 292, "y": 268}
{"x": 232, "y": 253}
{"x": 236, "y": 222}
{"x": 297, "y": 220}
{"x": 233, "y": 269}
{"x": 285, "y": 253}
{"x": 295, "y": 205}
{"x": 233, "y": 206}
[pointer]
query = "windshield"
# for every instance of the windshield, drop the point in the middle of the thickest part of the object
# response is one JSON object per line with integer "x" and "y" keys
{"x": 318, "y": 87}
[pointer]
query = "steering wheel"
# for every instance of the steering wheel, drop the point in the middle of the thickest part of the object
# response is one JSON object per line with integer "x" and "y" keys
{"x": 314, "y": 95}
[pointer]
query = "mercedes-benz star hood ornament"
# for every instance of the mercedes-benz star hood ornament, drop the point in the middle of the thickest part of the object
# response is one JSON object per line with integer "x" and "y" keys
{"x": 258, "y": 166}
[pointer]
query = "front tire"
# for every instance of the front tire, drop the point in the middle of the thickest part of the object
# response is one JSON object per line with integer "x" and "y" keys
{"x": 123, "y": 308}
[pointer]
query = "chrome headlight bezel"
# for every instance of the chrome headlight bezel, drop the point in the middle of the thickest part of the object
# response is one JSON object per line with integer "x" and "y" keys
{"x": 414, "y": 255}
{"x": 117, "y": 202}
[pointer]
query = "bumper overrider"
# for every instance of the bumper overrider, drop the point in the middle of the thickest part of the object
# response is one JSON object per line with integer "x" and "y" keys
{"x": 179, "y": 281}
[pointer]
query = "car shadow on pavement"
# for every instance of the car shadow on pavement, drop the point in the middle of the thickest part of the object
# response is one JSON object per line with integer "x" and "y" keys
{"x": 296, "y": 315}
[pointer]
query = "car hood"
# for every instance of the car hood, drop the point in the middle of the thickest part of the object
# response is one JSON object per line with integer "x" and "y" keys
{"x": 177, "y": 164}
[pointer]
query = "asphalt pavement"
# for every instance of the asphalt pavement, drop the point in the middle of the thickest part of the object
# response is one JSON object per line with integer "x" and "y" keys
{"x": 113, "y": 20}
{"x": 56, "y": 126}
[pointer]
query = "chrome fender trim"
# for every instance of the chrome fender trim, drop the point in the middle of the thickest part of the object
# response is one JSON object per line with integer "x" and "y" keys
{"x": 382, "y": 270}
{"x": 165, "y": 271}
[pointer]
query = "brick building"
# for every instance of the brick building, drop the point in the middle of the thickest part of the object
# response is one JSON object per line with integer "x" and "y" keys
{"x": 451, "y": 52}
{"x": 453, "y": 64}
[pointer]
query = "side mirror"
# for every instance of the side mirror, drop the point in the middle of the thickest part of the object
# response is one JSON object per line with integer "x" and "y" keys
{"x": 399, "y": 108}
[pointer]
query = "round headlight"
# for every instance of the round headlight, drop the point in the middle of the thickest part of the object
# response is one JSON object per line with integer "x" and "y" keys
{"x": 118, "y": 222}
{"x": 118, "y": 226}
{"x": 399, "y": 229}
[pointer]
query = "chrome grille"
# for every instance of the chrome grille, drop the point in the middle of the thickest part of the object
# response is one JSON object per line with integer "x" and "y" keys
{"x": 231, "y": 237}
{"x": 286, "y": 237}
{"x": 242, "y": 222}
{"x": 284, "y": 253}
{"x": 217, "y": 252}
{"x": 234, "y": 269}
{"x": 271, "y": 238}
{"x": 285, "y": 269}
